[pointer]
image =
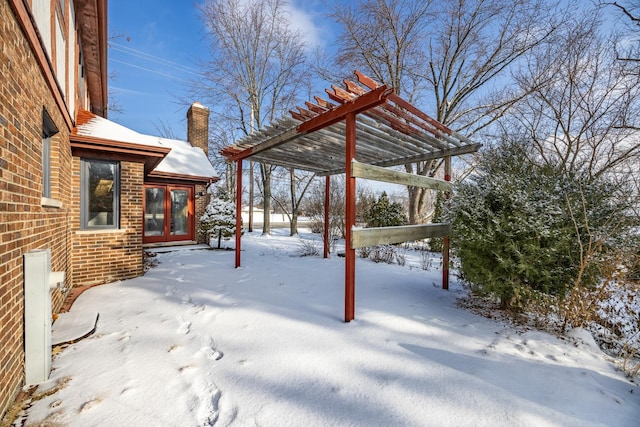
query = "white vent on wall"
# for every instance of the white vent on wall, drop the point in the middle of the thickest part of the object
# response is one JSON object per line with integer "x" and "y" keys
{"x": 38, "y": 281}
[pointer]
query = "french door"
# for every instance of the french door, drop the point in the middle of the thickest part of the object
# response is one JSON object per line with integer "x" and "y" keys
{"x": 168, "y": 213}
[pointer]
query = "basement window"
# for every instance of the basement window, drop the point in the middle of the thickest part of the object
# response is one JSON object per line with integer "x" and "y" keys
{"x": 48, "y": 130}
{"x": 100, "y": 194}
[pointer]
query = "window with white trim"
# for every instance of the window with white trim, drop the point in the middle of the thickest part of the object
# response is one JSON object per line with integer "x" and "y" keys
{"x": 100, "y": 194}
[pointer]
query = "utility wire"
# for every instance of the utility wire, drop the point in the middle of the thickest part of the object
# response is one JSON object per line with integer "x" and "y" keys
{"x": 171, "y": 76}
{"x": 149, "y": 57}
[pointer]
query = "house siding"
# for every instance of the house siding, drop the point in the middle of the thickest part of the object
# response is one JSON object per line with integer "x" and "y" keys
{"x": 102, "y": 256}
{"x": 25, "y": 224}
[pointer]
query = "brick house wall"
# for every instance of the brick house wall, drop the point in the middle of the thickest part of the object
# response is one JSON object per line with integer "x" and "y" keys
{"x": 29, "y": 85}
{"x": 25, "y": 223}
{"x": 102, "y": 256}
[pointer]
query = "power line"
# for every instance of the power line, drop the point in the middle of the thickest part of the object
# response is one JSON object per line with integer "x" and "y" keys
{"x": 171, "y": 76}
{"x": 153, "y": 58}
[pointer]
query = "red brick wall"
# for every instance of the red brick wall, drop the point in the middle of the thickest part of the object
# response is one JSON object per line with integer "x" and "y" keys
{"x": 198, "y": 126}
{"x": 25, "y": 224}
{"x": 102, "y": 256}
{"x": 201, "y": 204}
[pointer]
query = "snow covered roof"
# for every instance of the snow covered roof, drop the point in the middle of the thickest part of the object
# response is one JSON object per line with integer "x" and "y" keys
{"x": 182, "y": 160}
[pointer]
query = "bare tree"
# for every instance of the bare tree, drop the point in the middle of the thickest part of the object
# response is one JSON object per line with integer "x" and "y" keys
{"x": 443, "y": 56}
{"x": 290, "y": 200}
{"x": 584, "y": 103}
{"x": 256, "y": 71}
{"x": 163, "y": 129}
{"x": 629, "y": 49}
{"x": 114, "y": 106}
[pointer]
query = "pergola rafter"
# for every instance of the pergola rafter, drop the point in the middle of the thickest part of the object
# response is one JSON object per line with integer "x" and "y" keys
{"x": 362, "y": 127}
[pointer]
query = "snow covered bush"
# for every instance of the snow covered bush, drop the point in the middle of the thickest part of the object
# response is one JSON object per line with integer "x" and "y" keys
{"x": 219, "y": 218}
{"x": 616, "y": 324}
{"x": 308, "y": 248}
{"x": 521, "y": 228}
{"x": 383, "y": 253}
{"x": 364, "y": 252}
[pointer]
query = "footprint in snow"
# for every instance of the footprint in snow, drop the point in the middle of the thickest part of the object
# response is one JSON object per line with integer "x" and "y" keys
{"x": 184, "y": 326}
{"x": 209, "y": 349}
{"x": 186, "y": 300}
{"x": 89, "y": 404}
{"x": 209, "y": 411}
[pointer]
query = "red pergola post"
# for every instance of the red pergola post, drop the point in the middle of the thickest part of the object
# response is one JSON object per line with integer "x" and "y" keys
{"x": 238, "y": 210}
{"x": 326, "y": 215}
{"x": 445, "y": 240}
{"x": 350, "y": 220}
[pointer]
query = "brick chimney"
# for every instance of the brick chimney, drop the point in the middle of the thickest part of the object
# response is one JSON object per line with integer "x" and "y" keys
{"x": 198, "y": 126}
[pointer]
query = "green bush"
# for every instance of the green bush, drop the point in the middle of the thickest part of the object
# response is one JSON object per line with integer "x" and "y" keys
{"x": 383, "y": 213}
{"x": 521, "y": 226}
{"x": 436, "y": 243}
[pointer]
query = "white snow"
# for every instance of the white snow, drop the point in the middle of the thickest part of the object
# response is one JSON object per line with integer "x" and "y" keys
{"x": 196, "y": 342}
{"x": 183, "y": 159}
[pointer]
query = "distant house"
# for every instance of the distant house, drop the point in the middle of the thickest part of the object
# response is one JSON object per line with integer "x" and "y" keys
{"x": 89, "y": 192}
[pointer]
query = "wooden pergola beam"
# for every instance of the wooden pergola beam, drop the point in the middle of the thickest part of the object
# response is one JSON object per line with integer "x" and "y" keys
{"x": 362, "y": 103}
{"x": 377, "y": 173}
{"x": 350, "y": 220}
{"x": 274, "y": 141}
{"x": 363, "y": 237}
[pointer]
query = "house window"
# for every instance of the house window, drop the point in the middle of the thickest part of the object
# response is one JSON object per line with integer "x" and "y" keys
{"x": 100, "y": 194}
{"x": 48, "y": 130}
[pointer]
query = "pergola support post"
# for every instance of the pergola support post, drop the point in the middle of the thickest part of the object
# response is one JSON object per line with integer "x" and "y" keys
{"x": 350, "y": 219}
{"x": 238, "y": 210}
{"x": 327, "y": 187}
{"x": 445, "y": 240}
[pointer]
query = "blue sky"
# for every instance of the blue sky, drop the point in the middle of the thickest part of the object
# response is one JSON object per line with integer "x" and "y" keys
{"x": 154, "y": 48}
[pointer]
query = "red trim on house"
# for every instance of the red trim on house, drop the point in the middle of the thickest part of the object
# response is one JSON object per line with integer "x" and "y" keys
{"x": 182, "y": 177}
{"x": 94, "y": 31}
{"x": 150, "y": 155}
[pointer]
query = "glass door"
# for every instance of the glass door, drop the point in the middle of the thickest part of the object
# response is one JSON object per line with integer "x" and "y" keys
{"x": 179, "y": 212}
{"x": 168, "y": 213}
{"x": 154, "y": 211}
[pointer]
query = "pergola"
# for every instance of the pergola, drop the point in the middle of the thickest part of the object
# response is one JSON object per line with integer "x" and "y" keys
{"x": 363, "y": 129}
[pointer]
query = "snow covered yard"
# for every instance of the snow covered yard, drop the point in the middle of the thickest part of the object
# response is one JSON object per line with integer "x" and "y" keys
{"x": 196, "y": 342}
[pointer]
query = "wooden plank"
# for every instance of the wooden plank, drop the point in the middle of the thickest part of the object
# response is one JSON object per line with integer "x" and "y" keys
{"x": 363, "y": 237}
{"x": 377, "y": 173}
{"x": 432, "y": 155}
{"x": 274, "y": 141}
{"x": 361, "y": 103}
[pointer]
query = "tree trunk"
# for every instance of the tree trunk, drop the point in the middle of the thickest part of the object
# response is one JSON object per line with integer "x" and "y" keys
{"x": 294, "y": 208}
{"x": 294, "y": 223}
{"x": 266, "y": 181}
